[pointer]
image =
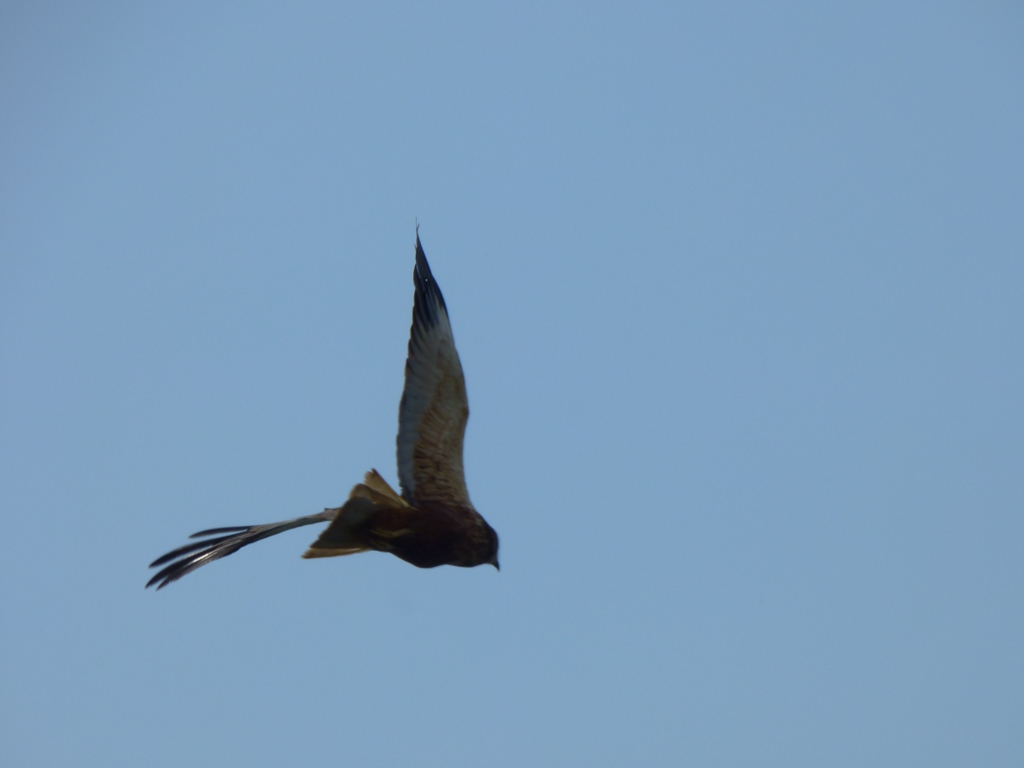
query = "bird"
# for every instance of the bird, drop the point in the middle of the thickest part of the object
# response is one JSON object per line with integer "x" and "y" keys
{"x": 432, "y": 521}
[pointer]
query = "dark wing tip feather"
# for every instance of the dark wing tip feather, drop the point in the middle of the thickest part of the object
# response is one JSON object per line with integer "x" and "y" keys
{"x": 428, "y": 296}
{"x": 226, "y": 540}
{"x": 174, "y": 554}
{"x": 215, "y": 531}
{"x": 191, "y": 556}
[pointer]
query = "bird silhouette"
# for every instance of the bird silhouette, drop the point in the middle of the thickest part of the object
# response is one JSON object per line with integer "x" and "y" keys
{"x": 433, "y": 521}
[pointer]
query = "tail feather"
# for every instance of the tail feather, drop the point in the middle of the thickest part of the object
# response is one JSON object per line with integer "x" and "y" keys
{"x": 191, "y": 556}
{"x": 375, "y": 482}
{"x": 346, "y": 535}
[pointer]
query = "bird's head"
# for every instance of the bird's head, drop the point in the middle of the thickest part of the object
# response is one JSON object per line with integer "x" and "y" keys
{"x": 492, "y": 536}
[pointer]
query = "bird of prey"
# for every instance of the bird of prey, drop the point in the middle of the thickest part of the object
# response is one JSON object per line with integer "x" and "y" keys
{"x": 432, "y": 522}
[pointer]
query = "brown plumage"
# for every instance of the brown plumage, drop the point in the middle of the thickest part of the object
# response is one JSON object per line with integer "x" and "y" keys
{"x": 432, "y": 522}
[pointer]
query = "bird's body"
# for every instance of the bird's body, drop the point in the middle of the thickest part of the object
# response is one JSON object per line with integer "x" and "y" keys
{"x": 432, "y": 521}
{"x": 429, "y": 534}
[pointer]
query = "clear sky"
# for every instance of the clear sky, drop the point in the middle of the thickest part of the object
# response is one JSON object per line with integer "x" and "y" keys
{"x": 739, "y": 294}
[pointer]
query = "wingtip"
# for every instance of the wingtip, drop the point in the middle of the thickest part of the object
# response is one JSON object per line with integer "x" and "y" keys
{"x": 153, "y": 581}
{"x": 421, "y": 256}
{"x": 424, "y": 281}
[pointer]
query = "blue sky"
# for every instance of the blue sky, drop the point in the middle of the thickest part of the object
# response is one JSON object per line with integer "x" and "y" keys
{"x": 737, "y": 291}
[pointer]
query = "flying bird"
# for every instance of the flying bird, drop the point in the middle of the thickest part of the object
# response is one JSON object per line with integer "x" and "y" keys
{"x": 432, "y": 522}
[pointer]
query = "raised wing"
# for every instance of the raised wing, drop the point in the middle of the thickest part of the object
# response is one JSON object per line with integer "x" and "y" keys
{"x": 434, "y": 410}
